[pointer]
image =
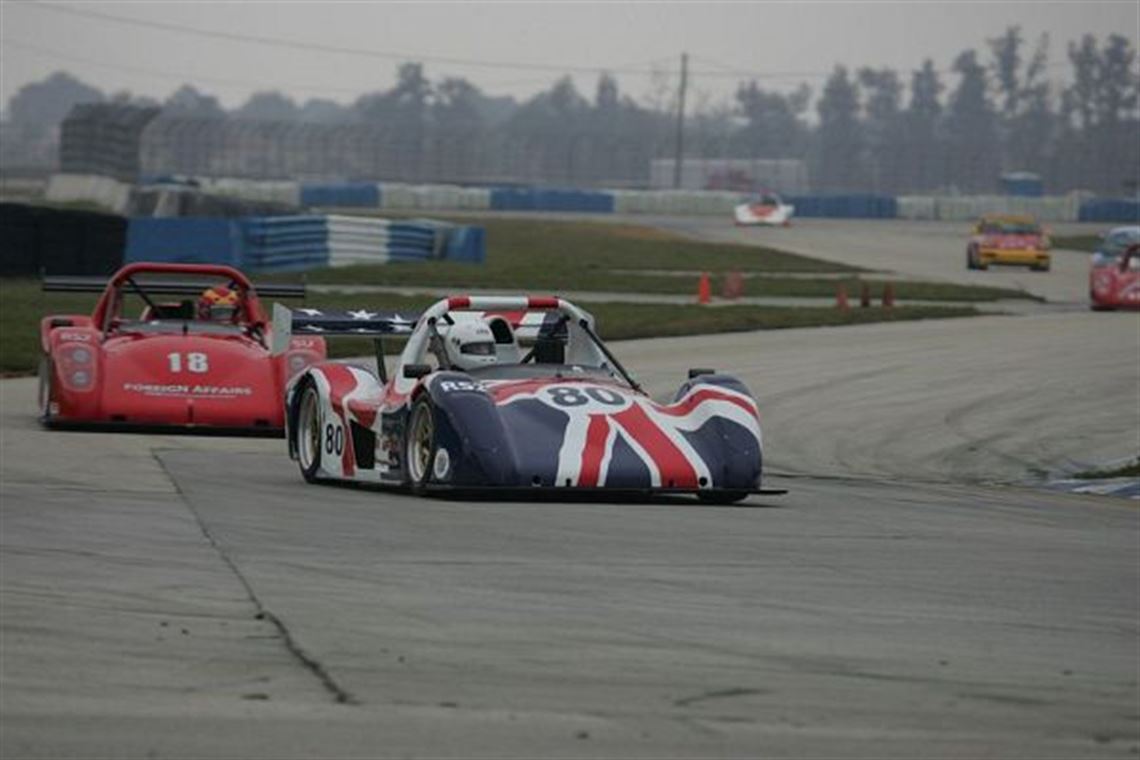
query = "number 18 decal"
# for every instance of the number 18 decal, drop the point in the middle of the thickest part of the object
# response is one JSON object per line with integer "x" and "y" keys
{"x": 195, "y": 362}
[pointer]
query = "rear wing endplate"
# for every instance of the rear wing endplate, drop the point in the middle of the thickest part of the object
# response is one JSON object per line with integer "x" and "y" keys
{"x": 65, "y": 284}
{"x": 325, "y": 322}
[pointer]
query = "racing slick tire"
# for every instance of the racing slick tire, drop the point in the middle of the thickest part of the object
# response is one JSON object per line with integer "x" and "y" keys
{"x": 1040, "y": 268}
{"x": 45, "y": 390}
{"x": 970, "y": 263}
{"x": 420, "y": 444}
{"x": 1096, "y": 305}
{"x": 307, "y": 432}
{"x": 721, "y": 497}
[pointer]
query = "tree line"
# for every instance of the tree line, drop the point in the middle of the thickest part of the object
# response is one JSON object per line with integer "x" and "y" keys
{"x": 866, "y": 130}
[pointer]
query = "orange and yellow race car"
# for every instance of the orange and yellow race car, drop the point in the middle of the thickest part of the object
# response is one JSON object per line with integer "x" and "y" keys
{"x": 1015, "y": 240}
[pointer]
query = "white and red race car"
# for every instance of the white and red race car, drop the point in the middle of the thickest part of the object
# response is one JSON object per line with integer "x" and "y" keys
{"x": 764, "y": 210}
{"x": 1114, "y": 273}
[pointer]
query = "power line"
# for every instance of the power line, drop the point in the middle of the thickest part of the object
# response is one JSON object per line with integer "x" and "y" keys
{"x": 323, "y": 48}
{"x": 180, "y": 78}
{"x": 171, "y": 76}
{"x": 724, "y": 70}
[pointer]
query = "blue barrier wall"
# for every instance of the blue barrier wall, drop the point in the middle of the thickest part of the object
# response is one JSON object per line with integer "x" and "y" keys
{"x": 352, "y": 194}
{"x": 186, "y": 240}
{"x": 549, "y": 199}
{"x": 284, "y": 243}
{"x": 467, "y": 244}
{"x": 845, "y": 206}
{"x": 1110, "y": 210}
{"x": 289, "y": 243}
{"x": 1023, "y": 185}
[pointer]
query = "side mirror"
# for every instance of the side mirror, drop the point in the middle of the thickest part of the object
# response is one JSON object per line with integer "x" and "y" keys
{"x": 416, "y": 371}
{"x": 698, "y": 371}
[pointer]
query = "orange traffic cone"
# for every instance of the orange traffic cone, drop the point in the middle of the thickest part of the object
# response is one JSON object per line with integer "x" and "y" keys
{"x": 865, "y": 295}
{"x": 888, "y": 295}
{"x": 703, "y": 290}
{"x": 841, "y": 297}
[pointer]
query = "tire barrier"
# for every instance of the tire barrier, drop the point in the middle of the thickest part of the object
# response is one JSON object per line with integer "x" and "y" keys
{"x": 40, "y": 240}
{"x": 293, "y": 243}
{"x": 845, "y": 206}
{"x": 105, "y": 192}
{"x": 678, "y": 202}
{"x": 1023, "y": 184}
{"x": 1111, "y": 210}
{"x": 967, "y": 208}
{"x": 396, "y": 196}
{"x": 279, "y": 194}
{"x": 539, "y": 199}
{"x": 346, "y": 194}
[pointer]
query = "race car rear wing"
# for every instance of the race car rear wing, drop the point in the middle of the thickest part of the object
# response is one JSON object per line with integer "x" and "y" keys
{"x": 68, "y": 284}
{"x": 338, "y": 322}
{"x": 332, "y": 322}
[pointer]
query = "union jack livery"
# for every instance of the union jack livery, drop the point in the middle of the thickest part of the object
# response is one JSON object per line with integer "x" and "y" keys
{"x": 512, "y": 393}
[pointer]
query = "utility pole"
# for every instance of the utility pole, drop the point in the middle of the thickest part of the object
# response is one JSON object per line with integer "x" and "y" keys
{"x": 681, "y": 121}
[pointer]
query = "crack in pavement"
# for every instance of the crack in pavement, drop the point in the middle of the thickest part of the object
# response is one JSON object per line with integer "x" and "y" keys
{"x": 310, "y": 663}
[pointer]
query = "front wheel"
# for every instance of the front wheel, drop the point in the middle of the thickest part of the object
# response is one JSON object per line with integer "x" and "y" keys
{"x": 307, "y": 435}
{"x": 419, "y": 444}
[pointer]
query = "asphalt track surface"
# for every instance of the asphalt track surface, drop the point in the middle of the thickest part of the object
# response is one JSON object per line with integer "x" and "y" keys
{"x": 922, "y": 250}
{"x": 186, "y": 596}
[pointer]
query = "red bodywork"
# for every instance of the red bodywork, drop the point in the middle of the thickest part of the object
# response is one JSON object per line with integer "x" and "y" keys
{"x": 1116, "y": 283}
{"x": 168, "y": 368}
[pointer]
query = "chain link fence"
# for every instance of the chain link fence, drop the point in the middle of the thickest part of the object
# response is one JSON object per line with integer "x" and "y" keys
{"x": 129, "y": 142}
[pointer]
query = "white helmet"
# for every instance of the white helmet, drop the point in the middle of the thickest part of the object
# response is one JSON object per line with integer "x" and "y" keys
{"x": 470, "y": 345}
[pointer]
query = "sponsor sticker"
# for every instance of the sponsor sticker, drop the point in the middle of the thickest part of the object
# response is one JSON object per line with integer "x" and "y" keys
{"x": 450, "y": 386}
{"x": 187, "y": 389}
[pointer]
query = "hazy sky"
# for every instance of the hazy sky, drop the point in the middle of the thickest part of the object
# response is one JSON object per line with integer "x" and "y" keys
{"x": 524, "y": 46}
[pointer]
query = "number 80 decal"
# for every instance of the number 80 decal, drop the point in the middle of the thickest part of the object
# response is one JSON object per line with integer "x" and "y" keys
{"x": 585, "y": 398}
{"x": 334, "y": 439}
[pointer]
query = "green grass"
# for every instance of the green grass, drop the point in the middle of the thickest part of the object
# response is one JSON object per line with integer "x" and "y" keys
{"x": 1131, "y": 470}
{"x": 904, "y": 289}
{"x": 556, "y": 257}
{"x": 624, "y": 321}
{"x": 1085, "y": 243}
{"x": 540, "y": 255}
{"x": 23, "y": 304}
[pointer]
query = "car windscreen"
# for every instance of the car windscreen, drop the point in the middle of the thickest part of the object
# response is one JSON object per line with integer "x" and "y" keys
{"x": 1011, "y": 228}
{"x": 170, "y": 327}
{"x": 529, "y": 370}
{"x": 1118, "y": 242}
